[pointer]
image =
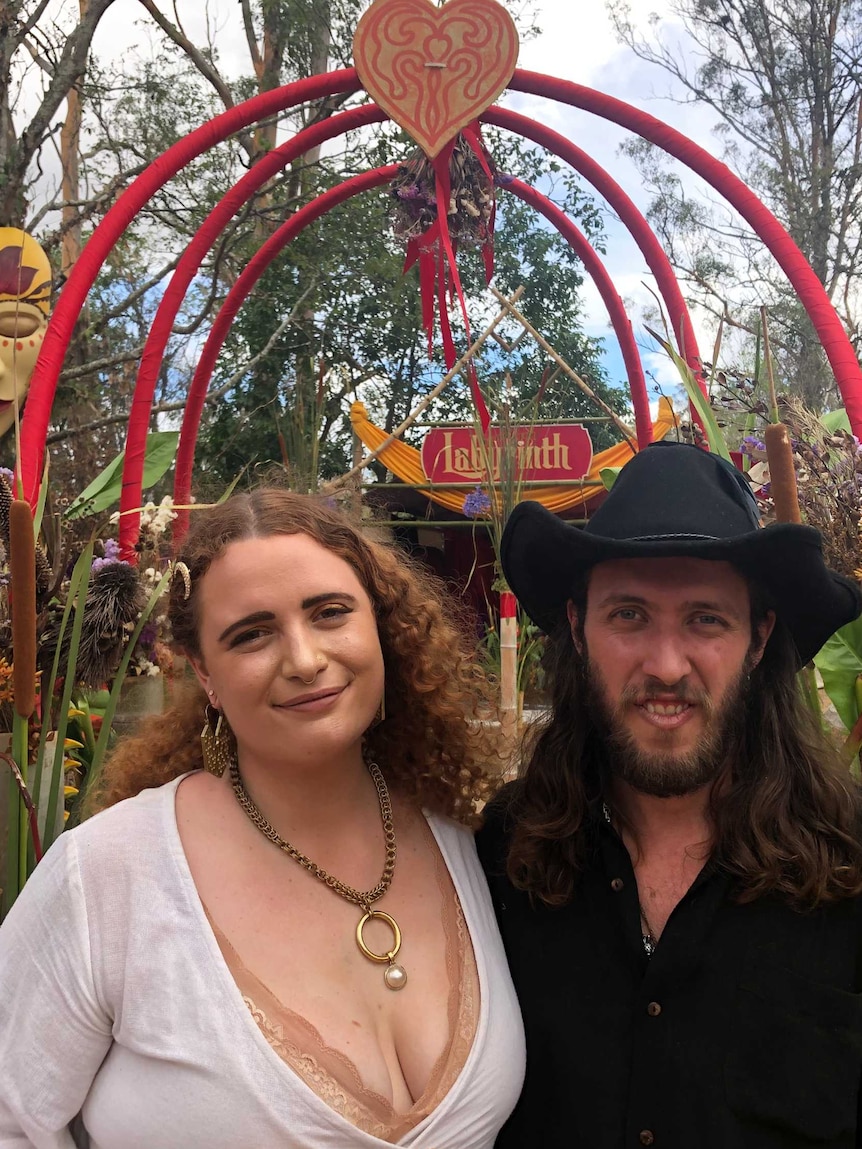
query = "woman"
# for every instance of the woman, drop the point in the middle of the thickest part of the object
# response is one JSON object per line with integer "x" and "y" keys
{"x": 295, "y": 946}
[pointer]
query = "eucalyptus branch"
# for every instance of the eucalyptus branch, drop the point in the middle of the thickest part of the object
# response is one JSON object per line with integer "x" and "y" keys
{"x": 179, "y": 404}
{"x": 101, "y": 364}
{"x": 34, "y": 17}
{"x": 200, "y": 61}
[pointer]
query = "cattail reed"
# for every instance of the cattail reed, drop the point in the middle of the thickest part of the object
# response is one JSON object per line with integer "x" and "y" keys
{"x": 22, "y": 570}
{"x": 782, "y": 473}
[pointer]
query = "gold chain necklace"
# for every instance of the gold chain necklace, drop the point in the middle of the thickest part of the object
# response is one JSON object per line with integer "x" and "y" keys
{"x": 395, "y": 976}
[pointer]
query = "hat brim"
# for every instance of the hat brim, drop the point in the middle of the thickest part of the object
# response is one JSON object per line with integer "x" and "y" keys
{"x": 544, "y": 558}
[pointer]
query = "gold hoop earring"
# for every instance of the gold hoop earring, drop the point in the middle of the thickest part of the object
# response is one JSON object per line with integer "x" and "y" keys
{"x": 216, "y": 744}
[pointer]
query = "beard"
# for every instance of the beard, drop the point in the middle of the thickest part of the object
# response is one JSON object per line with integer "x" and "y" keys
{"x": 665, "y": 772}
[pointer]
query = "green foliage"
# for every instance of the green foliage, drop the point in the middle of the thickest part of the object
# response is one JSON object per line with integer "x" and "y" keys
{"x": 105, "y": 489}
{"x": 840, "y": 664}
{"x": 782, "y": 79}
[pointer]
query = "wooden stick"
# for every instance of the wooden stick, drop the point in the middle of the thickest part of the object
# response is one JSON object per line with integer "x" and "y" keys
{"x": 430, "y": 397}
{"x": 625, "y": 431}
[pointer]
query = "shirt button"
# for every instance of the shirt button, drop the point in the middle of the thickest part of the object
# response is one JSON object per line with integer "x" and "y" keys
{"x": 646, "y": 1137}
{"x": 617, "y": 884}
{"x": 653, "y": 1009}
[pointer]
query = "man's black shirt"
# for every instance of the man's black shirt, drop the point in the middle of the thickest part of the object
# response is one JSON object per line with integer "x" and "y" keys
{"x": 743, "y": 1030}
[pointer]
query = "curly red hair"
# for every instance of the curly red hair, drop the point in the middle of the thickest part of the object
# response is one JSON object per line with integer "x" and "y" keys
{"x": 435, "y": 744}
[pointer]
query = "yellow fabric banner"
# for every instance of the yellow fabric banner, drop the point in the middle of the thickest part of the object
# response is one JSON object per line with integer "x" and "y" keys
{"x": 406, "y": 463}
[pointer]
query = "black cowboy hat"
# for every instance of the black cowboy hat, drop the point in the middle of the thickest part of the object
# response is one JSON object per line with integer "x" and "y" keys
{"x": 675, "y": 499}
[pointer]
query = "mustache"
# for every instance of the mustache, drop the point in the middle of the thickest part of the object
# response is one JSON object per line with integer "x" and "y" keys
{"x": 652, "y": 689}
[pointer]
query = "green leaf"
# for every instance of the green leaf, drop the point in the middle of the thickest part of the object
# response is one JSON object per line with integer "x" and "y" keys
{"x": 839, "y": 663}
{"x": 77, "y": 596}
{"x": 104, "y": 491}
{"x": 230, "y": 488}
{"x": 836, "y": 421}
{"x": 701, "y": 404}
{"x": 608, "y": 475}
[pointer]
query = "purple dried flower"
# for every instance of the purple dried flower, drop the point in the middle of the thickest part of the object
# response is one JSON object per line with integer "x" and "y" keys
{"x": 100, "y": 564}
{"x": 753, "y": 447}
{"x": 149, "y": 634}
{"x": 112, "y": 555}
{"x": 476, "y": 503}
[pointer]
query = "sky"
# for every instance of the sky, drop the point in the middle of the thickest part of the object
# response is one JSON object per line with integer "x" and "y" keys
{"x": 577, "y": 43}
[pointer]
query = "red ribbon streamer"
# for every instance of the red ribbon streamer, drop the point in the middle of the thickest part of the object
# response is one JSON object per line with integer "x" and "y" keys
{"x": 439, "y": 280}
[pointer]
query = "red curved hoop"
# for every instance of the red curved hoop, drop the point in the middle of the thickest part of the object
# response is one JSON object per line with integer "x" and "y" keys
{"x": 610, "y": 297}
{"x": 192, "y": 258}
{"x": 643, "y": 235}
{"x": 246, "y": 281}
{"x": 825, "y": 320}
{"x": 839, "y": 350}
{"x": 286, "y": 233}
{"x": 245, "y": 188}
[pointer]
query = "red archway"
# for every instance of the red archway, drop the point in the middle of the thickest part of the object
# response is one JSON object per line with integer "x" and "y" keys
{"x": 286, "y": 234}
{"x": 43, "y": 387}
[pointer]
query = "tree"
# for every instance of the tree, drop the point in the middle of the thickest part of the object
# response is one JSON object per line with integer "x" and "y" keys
{"x": 784, "y": 78}
{"x": 59, "y": 57}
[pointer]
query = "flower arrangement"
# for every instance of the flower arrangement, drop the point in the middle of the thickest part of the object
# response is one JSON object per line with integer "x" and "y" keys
{"x": 470, "y": 209}
{"x": 94, "y": 624}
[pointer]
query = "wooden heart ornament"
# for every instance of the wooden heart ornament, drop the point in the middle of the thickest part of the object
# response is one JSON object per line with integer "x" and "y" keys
{"x": 434, "y": 70}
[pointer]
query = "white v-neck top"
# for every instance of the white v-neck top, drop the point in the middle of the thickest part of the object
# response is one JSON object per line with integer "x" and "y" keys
{"x": 116, "y": 1002}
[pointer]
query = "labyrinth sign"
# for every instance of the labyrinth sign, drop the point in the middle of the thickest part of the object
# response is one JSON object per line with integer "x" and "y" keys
{"x": 543, "y": 454}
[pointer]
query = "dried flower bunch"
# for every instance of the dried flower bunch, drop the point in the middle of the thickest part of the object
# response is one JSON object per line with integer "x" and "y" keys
{"x": 471, "y": 200}
{"x": 829, "y": 479}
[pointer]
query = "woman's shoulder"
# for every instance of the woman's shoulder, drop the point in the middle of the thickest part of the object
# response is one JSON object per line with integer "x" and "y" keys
{"x": 129, "y": 836}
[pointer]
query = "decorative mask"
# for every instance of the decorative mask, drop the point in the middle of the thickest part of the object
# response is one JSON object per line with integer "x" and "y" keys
{"x": 25, "y": 299}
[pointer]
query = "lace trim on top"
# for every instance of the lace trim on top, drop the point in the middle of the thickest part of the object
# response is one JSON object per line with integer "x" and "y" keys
{"x": 331, "y": 1074}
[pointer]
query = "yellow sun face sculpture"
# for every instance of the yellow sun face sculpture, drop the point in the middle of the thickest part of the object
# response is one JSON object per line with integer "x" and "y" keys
{"x": 25, "y": 300}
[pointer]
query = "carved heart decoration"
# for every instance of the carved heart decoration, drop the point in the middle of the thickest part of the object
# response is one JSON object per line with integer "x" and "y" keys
{"x": 434, "y": 70}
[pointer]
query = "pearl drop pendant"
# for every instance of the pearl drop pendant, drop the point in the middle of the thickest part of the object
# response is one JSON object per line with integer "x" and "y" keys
{"x": 395, "y": 976}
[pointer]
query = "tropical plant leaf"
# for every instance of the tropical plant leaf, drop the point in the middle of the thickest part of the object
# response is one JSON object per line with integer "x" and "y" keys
{"x": 717, "y": 442}
{"x": 608, "y": 475}
{"x": 104, "y": 491}
{"x": 839, "y": 663}
{"x": 836, "y": 421}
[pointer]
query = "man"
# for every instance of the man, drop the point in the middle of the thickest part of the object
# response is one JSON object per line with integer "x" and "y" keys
{"x": 677, "y": 874}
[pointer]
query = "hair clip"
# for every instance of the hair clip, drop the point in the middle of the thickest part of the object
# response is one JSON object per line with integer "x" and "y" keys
{"x": 185, "y": 574}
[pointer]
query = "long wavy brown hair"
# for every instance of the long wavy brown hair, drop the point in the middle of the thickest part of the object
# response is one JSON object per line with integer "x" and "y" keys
{"x": 432, "y": 745}
{"x": 786, "y": 821}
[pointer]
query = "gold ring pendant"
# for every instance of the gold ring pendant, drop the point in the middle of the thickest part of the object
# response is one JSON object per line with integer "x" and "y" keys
{"x": 395, "y": 976}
